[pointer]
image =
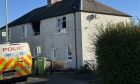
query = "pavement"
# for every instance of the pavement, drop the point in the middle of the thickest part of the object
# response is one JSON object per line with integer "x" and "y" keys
{"x": 61, "y": 78}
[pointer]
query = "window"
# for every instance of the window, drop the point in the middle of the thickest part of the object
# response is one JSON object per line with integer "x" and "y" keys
{"x": 61, "y": 24}
{"x": 37, "y": 50}
{"x": 69, "y": 53}
{"x": 54, "y": 52}
{"x": 64, "y": 22}
{"x": 9, "y": 34}
{"x": 25, "y": 31}
{"x": 36, "y": 28}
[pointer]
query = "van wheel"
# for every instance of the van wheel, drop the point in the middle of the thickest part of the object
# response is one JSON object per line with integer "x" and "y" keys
{"x": 24, "y": 78}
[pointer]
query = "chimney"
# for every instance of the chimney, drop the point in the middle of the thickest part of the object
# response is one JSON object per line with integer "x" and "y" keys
{"x": 50, "y": 2}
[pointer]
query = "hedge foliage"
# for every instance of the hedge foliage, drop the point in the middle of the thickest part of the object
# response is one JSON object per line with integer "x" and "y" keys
{"x": 118, "y": 53}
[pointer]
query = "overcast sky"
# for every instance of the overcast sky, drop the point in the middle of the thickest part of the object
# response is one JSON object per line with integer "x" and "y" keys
{"x": 18, "y": 8}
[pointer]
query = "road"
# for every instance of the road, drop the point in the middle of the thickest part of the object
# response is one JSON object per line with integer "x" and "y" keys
{"x": 60, "y": 79}
{"x": 34, "y": 80}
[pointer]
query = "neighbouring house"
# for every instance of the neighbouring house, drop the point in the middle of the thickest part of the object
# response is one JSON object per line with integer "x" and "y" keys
{"x": 60, "y": 30}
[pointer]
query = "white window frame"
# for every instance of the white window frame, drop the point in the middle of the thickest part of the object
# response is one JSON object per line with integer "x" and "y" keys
{"x": 9, "y": 34}
{"x": 60, "y": 22}
{"x": 24, "y": 30}
{"x": 37, "y": 50}
{"x": 54, "y": 53}
{"x": 69, "y": 50}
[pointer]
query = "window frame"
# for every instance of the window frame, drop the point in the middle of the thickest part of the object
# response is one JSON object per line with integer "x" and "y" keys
{"x": 61, "y": 24}
{"x": 54, "y": 53}
{"x": 69, "y": 53}
{"x": 37, "y": 50}
{"x": 9, "y": 34}
{"x": 36, "y": 28}
{"x": 25, "y": 31}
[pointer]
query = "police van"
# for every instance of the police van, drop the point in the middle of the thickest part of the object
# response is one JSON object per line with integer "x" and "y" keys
{"x": 15, "y": 61}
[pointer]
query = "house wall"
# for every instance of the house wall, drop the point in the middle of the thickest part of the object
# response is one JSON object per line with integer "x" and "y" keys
{"x": 89, "y": 28}
{"x": 0, "y": 36}
{"x": 16, "y": 35}
{"x": 79, "y": 40}
{"x": 3, "y": 39}
{"x": 50, "y": 39}
{"x": 60, "y": 40}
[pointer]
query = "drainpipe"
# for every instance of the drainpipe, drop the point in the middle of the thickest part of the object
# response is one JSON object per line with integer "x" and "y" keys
{"x": 81, "y": 4}
{"x": 81, "y": 8}
{"x": 75, "y": 40}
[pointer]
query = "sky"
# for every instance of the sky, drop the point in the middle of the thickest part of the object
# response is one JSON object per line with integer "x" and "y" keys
{"x": 17, "y": 8}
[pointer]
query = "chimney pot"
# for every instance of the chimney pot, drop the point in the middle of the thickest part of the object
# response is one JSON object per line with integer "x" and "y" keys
{"x": 50, "y": 2}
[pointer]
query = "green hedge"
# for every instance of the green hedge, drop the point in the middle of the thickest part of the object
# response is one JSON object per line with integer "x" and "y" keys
{"x": 118, "y": 54}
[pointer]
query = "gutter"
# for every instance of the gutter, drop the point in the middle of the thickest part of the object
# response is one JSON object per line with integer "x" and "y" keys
{"x": 125, "y": 15}
{"x": 81, "y": 8}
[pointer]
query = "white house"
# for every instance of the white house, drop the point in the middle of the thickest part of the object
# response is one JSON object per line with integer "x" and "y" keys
{"x": 60, "y": 30}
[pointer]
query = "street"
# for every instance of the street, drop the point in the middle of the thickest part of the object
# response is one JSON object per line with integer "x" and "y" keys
{"x": 34, "y": 80}
{"x": 60, "y": 79}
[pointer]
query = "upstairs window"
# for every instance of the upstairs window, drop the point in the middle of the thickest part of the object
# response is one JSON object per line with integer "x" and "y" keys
{"x": 25, "y": 31}
{"x": 36, "y": 28}
{"x": 61, "y": 24}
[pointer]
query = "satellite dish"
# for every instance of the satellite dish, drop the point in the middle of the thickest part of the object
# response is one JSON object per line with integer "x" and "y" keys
{"x": 91, "y": 17}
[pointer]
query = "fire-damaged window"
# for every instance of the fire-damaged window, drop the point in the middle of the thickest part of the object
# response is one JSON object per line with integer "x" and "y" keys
{"x": 61, "y": 24}
{"x": 36, "y": 28}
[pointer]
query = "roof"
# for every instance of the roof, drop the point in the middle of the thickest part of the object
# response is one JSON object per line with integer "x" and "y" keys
{"x": 97, "y": 7}
{"x": 65, "y": 7}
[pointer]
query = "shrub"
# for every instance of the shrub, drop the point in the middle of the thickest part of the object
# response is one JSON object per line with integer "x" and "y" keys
{"x": 58, "y": 65}
{"x": 118, "y": 54}
{"x": 86, "y": 69}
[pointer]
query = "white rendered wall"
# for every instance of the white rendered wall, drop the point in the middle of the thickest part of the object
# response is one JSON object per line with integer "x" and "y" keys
{"x": 90, "y": 27}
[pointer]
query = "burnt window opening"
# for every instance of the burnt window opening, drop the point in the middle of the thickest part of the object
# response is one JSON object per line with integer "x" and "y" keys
{"x": 36, "y": 28}
{"x": 64, "y": 22}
